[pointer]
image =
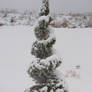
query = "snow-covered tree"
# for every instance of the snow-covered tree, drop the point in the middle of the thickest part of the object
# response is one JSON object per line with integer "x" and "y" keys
{"x": 43, "y": 68}
{"x": 44, "y": 8}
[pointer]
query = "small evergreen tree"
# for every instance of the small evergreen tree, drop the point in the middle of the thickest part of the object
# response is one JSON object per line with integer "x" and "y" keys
{"x": 43, "y": 67}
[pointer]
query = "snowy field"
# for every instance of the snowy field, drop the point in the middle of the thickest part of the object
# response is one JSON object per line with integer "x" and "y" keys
{"x": 74, "y": 45}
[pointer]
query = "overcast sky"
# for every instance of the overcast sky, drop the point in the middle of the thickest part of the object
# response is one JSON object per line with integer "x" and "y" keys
{"x": 55, "y": 5}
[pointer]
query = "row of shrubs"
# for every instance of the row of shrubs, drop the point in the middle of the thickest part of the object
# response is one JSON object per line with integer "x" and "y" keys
{"x": 13, "y": 17}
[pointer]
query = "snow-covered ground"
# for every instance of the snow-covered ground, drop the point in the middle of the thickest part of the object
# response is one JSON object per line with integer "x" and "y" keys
{"x": 74, "y": 45}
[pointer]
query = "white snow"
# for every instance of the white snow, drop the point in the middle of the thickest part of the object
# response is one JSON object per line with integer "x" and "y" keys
{"x": 46, "y": 18}
{"x": 74, "y": 45}
{"x": 54, "y": 59}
